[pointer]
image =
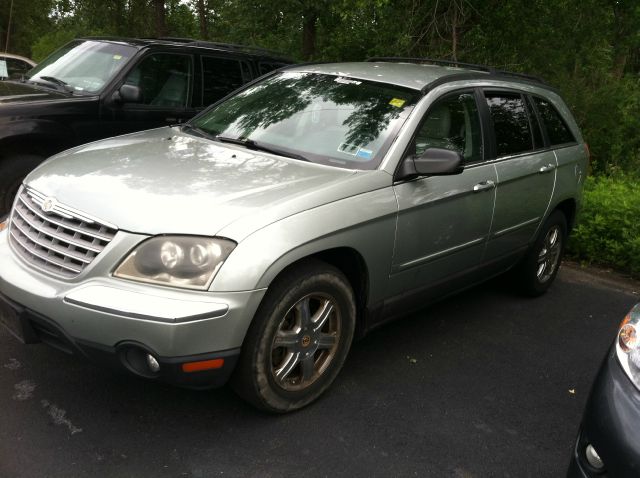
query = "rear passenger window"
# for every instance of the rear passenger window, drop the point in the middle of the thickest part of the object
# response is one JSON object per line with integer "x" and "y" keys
{"x": 556, "y": 128}
{"x": 510, "y": 123}
{"x": 220, "y": 77}
{"x": 452, "y": 123}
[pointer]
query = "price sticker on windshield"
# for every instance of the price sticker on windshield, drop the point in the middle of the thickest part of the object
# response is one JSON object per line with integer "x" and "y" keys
{"x": 3, "y": 69}
{"x": 397, "y": 102}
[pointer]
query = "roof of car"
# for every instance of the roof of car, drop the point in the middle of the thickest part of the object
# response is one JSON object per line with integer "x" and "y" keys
{"x": 418, "y": 74}
{"x": 17, "y": 57}
{"x": 191, "y": 42}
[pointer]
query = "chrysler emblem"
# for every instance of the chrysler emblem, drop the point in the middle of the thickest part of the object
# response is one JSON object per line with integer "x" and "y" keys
{"x": 48, "y": 204}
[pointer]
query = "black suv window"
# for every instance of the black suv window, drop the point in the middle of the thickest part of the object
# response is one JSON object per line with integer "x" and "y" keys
{"x": 164, "y": 79}
{"x": 556, "y": 128}
{"x": 220, "y": 77}
{"x": 452, "y": 123}
{"x": 267, "y": 66}
{"x": 510, "y": 123}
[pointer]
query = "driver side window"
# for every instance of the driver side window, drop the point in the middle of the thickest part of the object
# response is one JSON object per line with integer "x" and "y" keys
{"x": 452, "y": 123}
{"x": 164, "y": 80}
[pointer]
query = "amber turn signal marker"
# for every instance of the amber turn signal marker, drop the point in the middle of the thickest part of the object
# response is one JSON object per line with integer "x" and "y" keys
{"x": 3, "y": 226}
{"x": 204, "y": 365}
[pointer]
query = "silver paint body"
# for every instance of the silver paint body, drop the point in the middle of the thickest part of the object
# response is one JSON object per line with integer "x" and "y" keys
{"x": 280, "y": 210}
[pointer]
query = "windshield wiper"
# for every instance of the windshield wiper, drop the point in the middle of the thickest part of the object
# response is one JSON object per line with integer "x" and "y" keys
{"x": 198, "y": 131}
{"x": 56, "y": 81}
{"x": 253, "y": 145}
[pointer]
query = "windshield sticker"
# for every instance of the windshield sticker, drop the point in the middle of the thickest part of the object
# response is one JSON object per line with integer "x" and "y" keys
{"x": 397, "y": 102}
{"x": 364, "y": 153}
{"x": 346, "y": 81}
{"x": 3, "y": 69}
{"x": 350, "y": 149}
{"x": 117, "y": 57}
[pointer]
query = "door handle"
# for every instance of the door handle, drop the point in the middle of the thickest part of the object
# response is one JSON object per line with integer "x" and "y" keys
{"x": 547, "y": 168}
{"x": 483, "y": 186}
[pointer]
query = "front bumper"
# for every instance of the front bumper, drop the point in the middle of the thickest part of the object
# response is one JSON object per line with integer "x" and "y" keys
{"x": 99, "y": 316}
{"x": 610, "y": 425}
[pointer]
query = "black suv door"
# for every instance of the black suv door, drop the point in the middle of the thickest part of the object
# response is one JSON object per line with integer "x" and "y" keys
{"x": 166, "y": 83}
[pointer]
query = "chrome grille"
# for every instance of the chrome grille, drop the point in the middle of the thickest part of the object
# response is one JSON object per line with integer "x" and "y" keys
{"x": 54, "y": 237}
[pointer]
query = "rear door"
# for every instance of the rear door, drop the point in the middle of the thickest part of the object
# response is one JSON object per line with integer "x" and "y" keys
{"x": 221, "y": 76}
{"x": 526, "y": 172}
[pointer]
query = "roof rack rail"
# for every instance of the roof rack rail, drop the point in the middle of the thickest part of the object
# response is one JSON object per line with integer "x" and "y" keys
{"x": 473, "y": 66}
{"x": 226, "y": 46}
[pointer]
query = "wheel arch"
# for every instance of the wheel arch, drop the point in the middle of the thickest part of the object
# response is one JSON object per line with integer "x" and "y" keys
{"x": 347, "y": 260}
{"x": 42, "y": 137}
{"x": 568, "y": 207}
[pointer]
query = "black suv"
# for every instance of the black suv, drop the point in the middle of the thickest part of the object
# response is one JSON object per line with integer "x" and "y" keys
{"x": 93, "y": 88}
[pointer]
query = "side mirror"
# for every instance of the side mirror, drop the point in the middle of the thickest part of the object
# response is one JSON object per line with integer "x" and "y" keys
{"x": 432, "y": 162}
{"x": 128, "y": 94}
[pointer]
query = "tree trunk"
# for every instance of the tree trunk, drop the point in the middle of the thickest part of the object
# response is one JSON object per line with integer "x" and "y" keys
{"x": 454, "y": 34}
{"x": 309, "y": 35}
{"x": 202, "y": 14}
{"x": 160, "y": 14}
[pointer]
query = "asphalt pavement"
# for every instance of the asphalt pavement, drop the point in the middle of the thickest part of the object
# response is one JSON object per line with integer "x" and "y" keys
{"x": 485, "y": 384}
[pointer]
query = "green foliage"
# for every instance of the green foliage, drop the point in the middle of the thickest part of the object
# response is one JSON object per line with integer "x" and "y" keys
{"x": 608, "y": 230}
{"x": 50, "y": 42}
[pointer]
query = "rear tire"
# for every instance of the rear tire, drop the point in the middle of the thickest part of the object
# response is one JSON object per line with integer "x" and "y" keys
{"x": 13, "y": 170}
{"x": 298, "y": 340}
{"x": 539, "y": 267}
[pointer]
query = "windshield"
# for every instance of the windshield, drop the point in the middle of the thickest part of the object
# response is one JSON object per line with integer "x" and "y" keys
{"x": 326, "y": 119}
{"x": 82, "y": 66}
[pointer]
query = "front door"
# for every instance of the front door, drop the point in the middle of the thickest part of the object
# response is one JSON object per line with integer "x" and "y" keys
{"x": 167, "y": 82}
{"x": 444, "y": 221}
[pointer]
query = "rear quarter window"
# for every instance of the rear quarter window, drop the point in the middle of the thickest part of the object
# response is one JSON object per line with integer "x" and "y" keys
{"x": 556, "y": 128}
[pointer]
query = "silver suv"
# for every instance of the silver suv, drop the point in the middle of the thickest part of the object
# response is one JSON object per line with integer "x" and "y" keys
{"x": 255, "y": 242}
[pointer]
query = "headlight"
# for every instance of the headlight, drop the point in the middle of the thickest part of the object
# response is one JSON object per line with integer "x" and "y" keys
{"x": 180, "y": 261}
{"x": 628, "y": 345}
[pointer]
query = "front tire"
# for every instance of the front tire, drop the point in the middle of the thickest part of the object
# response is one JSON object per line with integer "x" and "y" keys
{"x": 298, "y": 340}
{"x": 539, "y": 267}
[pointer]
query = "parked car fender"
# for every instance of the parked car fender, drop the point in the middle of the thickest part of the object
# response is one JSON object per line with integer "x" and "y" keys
{"x": 258, "y": 259}
{"x": 35, "y": 135}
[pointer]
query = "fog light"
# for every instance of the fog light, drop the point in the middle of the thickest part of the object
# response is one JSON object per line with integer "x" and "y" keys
{"x": 593, "y": 458}
{"x": 153, "y": 364}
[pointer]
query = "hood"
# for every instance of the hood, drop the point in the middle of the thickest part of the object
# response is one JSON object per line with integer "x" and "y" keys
{"x": 12, "y": 92}
{"x": 165, "y": 181}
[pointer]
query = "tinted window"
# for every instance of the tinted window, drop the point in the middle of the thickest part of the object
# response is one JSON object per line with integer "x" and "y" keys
{"x": 164, "y": 79}
{"x": 510, "y": 123}
{"x": 556, "y": 128}
{"x": 452, "y": 123}
{"x": 219, "y": 78}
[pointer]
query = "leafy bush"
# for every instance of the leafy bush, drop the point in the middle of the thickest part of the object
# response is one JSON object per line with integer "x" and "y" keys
{"x": 608, "y": 230}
